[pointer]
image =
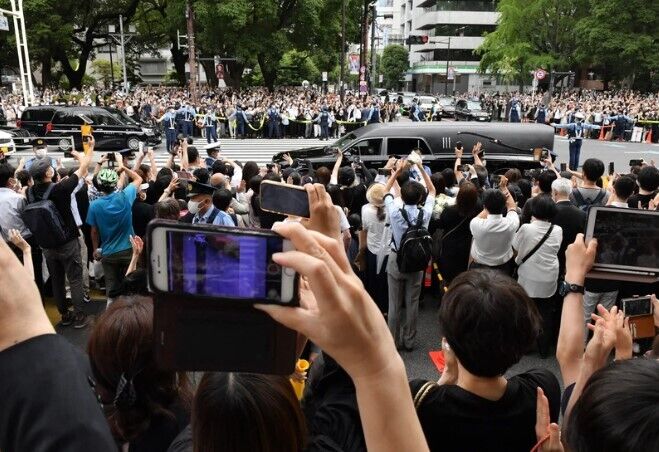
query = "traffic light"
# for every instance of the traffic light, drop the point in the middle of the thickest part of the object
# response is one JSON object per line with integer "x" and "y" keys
{"x": 422, "y": 39}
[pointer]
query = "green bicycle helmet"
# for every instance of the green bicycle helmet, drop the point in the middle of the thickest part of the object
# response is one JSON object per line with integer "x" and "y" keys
{"x": 107, "y": 177}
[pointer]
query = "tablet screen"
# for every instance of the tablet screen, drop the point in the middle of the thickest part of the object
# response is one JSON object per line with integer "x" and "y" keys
{"x": 627, "y": 237}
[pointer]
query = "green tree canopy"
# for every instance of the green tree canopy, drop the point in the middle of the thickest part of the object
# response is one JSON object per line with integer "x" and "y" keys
{"x": 394, "y": 64}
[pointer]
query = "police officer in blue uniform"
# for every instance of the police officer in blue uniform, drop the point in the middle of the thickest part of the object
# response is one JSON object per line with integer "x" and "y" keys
{"x": 515, "y": 114}
{"x": 414, "y": 111}
{"x": 169, "y": 122}
{"x": 241, "y": 120}
{"x": 575, "y": 136}
{"x": 188, "y": 113}
{"x": 323, "y": 119}
{"x": 541, "y": 114}
{"x": 273, "y": 122}
{"x": 210, "y": 123}
{"x": 373, "y": 116}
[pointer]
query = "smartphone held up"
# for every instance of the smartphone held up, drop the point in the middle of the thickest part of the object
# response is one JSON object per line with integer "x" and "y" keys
{"x": 206, "y": 280}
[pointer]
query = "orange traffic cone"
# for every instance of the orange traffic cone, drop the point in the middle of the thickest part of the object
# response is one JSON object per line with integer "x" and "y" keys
{"x": 563, "y": 132}
{"x": 648, "y": 136}
{"x": 602, "y": 134}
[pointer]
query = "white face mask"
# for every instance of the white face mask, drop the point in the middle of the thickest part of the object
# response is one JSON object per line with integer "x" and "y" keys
{"x": 41, "y": 152}
{"x": 193, "y": 207}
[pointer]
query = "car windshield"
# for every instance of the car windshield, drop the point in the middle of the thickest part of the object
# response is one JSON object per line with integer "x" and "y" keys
{"x": 123, "y": 117}
{"x": 426, "y": 99}
{"x": 474, "y": 105}
{"x": 341, "y": 142}
{"x": 446, "y": 102}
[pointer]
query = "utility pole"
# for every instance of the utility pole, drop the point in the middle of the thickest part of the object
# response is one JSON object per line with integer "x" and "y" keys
{"x": 343, "y": 47}
{"x": 373, "y": 54}
{"x": 123, "y": 53}
{"x": 192, "y": 57}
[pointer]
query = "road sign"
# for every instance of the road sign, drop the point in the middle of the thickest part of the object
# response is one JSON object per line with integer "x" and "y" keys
{"x": 540, "y": 74}
{"x": 450, "y": 75}
{"x": 4, "y": 23}
{"x": 324, "y": 76}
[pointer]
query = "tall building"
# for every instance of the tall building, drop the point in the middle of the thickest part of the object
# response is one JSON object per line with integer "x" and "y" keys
{"x": 455, "y": 29}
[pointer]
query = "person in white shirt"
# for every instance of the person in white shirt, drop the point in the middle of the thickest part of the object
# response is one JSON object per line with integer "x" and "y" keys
{"x": 493, "y": 233}
{"x": 537, "y": 245}
{"x": 374, "y": 240}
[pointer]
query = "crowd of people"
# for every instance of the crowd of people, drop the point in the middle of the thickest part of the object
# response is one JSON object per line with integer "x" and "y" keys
{"x": 511, "y": 267}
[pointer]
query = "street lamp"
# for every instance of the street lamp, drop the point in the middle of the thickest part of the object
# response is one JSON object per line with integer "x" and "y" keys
{"x": 448, "y": 58}
{"x": 121, "y": 39}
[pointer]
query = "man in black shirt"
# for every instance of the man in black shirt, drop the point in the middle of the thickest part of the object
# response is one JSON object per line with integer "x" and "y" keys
{"x": 63, "y": 260}
{"x": 648, "y": 182}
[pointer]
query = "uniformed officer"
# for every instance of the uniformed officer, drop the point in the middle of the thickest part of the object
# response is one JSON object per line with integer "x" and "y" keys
{"x": 434, "y": 111}
{"x": 541, "y": 114}
{"x": 273, "y": 122}
{"x": 515, "y": 114}
{"x": 169, "y": 121}
{"x": 373, "y": 116}
{"x": 200, "y": 204}
{"x": 188, "y": 113}
{"x": 323, "y": 119}
{"x": 210, "y": 123}
{"x": 414, "y": 111}
{"x": 241, "y": 120}
{"x": 213, "y": 153}
{"x": 575, "y": 136}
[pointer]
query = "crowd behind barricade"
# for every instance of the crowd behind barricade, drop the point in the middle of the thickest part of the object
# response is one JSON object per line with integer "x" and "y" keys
{"x": 510, "y": 266}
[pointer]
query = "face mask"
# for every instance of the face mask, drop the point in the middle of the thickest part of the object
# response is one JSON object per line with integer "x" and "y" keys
{"x": 193, "y": 207}
{"x": 41, "y": 152}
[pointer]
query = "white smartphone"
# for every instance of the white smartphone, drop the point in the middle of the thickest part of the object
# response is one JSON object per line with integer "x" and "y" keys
{"x": 219, "y": 262}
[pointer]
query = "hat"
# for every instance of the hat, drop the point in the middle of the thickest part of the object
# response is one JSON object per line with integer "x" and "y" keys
{"x": 212, "y": 147}
{"x": 127, "y": 153}
{"x": 39, "y": 167}
{"x": 195, "y": 188}
{"x": 375, "y": 194}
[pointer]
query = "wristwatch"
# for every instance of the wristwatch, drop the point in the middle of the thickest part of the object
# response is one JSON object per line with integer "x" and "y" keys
{"x": 567, "y": 288}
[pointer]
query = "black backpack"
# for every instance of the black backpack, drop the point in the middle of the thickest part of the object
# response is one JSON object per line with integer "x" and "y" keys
{"x": 585, "y": 204}
{"x": 415, "y": 248}
{"x": 44, "y": 220}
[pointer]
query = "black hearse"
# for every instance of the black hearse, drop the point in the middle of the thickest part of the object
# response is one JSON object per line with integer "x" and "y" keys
{"x": 505, "y": 145}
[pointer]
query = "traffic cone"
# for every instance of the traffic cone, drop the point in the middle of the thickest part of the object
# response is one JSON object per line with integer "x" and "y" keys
{"x": 563, "y": 132}
{"x": 648, "y": 136}
{"x": 602, "y": 133}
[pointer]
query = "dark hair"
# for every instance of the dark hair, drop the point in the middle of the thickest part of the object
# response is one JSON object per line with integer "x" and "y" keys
{"x": 438, "y": 181}
{"x": 323, "y": 175}
{"x": 543, "y": 207}
{"x": 144, "y": 171}
{"x": 467, "y": 199}
{"x": 411, "y": 192}
{"x": 122, "y": 344}
{"x": 617, "y": 409}
{"x": 24, "y": 177}
{"x": 167, "y": 209}
{"x": 218, "y": 167}
{"x": 449, "y": 177}
{"x": 566, "y": 175}
{"x": 624, "y": 187}
{"x": 526, "y": 189}
{"x": 235, "y": 412}
{"x": 488, "y": 320}
{"x": 62, "y": 172}
{"x": 296, "y": 179}
{"x": 481, "y": 173}
{"x": 250, "y": 169}
{"x": 222, "y": 198}
{"x": 648, "y": 178}
{"x": 545, "y": 180}
{"x": 134, "y": 283}
{"x": 336, "y": 194}
{"x": 346, "y": 176}
{"x": 403, "y": 177}
{"x": 274, "y": 177}
{"x": 193, "y": 154}
{"x": 513, "y": 175}
{"x": 593, "y": 169}
{"x": 6, "y": 172}
{"x": 202, "y": 175}
{"x": 494, "y": 201}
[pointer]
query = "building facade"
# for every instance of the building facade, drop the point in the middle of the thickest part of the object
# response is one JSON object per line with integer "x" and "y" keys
{"x": 455, "y": 28}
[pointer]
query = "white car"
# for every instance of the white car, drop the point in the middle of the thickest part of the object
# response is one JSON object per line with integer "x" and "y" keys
{"x": 7, "y": 145}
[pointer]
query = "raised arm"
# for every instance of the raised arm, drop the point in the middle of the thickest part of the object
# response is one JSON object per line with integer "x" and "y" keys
{"x": 429, "y": 185}
{"x": 456, "y": 166}
{"x": 135, "y": 178}
{"x": 334, "y": 178}
{"x": 475, "y": 151}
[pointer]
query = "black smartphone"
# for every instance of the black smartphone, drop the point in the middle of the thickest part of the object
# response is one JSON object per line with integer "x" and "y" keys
{"x": 86, "y": 138}
{"x": 111, "y": 157}
{"x": 563, "y": 166}
{"x": 284, "y": 199}
{"x": 384, "y": 171}
{"x": 206, "y": 280}
{"x": 636, "y": 306}
{"x": 611, "y": 168}
{"x": 458, "y": 145}
{"x": 636, "y": 162}
{"x": 544, "y": 155}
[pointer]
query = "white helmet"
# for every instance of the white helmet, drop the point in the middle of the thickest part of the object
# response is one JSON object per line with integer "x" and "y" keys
{"x": 579, "y": 115}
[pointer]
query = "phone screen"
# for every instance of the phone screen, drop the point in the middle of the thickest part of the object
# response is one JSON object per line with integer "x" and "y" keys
{"x": 223, "y": 265}
{"x": 563, "y": 166}
{"x": 627, "y": 238}
{"x": 637, "y": 306}
{"x": 285, "y": 199}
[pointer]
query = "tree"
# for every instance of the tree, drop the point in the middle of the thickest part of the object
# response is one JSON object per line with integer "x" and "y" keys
{"x": 296, "y": 66}
{"x": 105, "y": 73}
{"x": 532, "y": 34}
{"x": 395, "y": 62}
{"x": 622, "y": 38}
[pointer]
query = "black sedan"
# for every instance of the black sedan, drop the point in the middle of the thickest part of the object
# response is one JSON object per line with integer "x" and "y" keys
{"x": 469, "y": 110}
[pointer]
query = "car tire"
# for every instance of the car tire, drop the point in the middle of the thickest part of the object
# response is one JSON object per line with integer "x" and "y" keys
{"x": 64, "y": 144}
{"x": 133, "y": 143}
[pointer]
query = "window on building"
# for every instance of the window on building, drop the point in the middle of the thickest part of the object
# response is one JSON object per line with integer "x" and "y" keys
{"x": 454, "y": 55}
{"x": 465, "y": 5}
{"x": 153, "y": 67}
{"x": 465, "y": 30}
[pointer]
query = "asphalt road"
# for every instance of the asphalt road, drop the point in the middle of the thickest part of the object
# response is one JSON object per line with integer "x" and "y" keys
{"x": 618, "y": 152}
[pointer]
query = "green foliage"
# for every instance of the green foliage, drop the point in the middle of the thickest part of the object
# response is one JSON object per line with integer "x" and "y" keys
{"x": 296, "y": 66}
{"x": 105, "y": 73}
{"x": 394, "y": 64}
